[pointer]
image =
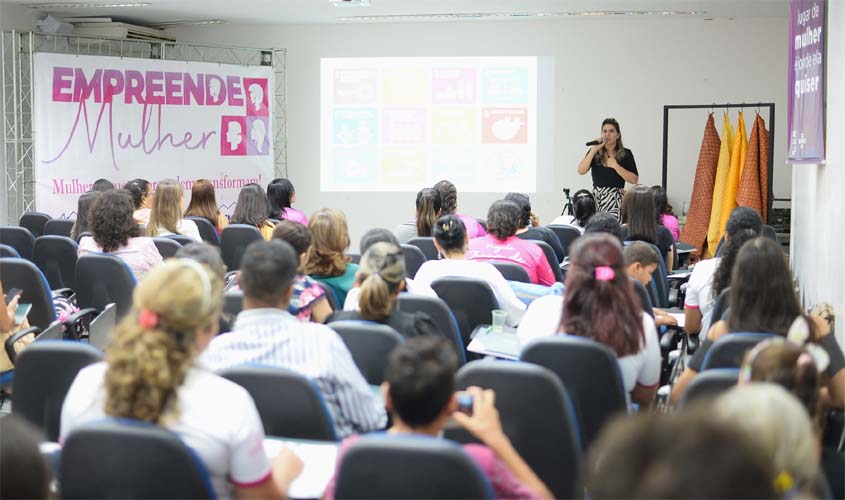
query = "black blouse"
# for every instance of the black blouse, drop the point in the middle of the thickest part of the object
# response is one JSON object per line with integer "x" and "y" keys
{"x": 606, "y": 176}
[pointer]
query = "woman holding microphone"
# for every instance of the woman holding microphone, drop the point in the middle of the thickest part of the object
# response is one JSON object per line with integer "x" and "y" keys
{"x": 612, "y": 165}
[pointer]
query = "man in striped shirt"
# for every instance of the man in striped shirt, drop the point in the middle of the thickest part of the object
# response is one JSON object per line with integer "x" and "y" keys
{"x": 265, "y": 334}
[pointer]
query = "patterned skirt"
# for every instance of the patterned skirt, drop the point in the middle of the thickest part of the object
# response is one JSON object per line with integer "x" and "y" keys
{"x": 609, "y": 199}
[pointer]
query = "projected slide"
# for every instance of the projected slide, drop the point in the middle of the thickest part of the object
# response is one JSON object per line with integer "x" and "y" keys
{"x": 399, "y": 124}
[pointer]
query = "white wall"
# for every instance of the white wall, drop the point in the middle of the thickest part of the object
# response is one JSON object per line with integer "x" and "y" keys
{"x": 818, "y": 208}
{"x": 626, "y": 69}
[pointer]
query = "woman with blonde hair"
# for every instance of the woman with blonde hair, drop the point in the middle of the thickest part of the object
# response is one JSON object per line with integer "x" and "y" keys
{"x": 204, "y": 204}
{"x": 150, "y": 375}
{"x": 327, "y": 260}
{"x": 381, "y": 276}
{"x": 166, "y": 214}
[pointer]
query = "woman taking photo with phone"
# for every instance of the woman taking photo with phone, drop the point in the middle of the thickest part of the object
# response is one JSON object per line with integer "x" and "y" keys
{"x": 612, "y": 165}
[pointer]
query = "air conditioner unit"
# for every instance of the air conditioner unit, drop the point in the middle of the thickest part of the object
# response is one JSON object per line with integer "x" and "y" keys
{"x": 123, "y": 31}
{"x": 350, "y": 3}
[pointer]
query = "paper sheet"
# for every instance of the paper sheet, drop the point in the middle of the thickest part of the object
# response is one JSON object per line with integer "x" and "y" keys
{"x": 318, "y": 458}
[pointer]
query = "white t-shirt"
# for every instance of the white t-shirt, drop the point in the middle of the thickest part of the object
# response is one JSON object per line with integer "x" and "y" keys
{"x": 700, "y": 286}
{"x": 543, "y": 318}
{"x": 433, "y": 270}
{"x": 567, "y": 220}
{"x": 185, "y": 227}
{"x": 217, "y": 419}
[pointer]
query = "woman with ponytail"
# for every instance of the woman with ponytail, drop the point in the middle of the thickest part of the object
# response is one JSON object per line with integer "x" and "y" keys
{"x": 150, "y": 375}
{"x": 599, "y": 303}
{"x": 429, "y": 205}
{"x": 380, "y": 277}
{"x": 449, "y": 198}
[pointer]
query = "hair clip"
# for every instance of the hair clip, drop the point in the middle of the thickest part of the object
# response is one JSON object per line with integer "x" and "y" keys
{"x": 147, "y": 319}
{"x": 605, "y": 273}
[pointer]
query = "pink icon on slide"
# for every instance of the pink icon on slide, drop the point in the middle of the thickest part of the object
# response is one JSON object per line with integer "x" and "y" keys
{"x": 256, "y": 90}
{"x": 232, "y": 138}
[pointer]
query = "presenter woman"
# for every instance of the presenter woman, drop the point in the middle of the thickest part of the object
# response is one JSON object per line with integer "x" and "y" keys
{"x": 612, "y": 165}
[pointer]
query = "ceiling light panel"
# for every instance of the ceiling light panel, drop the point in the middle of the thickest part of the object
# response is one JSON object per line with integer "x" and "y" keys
{"x": 64, "y": 6}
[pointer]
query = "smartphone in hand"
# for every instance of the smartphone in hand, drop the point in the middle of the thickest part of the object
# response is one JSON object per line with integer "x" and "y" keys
{"x": 11, "y": 294}
{"x": 465, "y": 402}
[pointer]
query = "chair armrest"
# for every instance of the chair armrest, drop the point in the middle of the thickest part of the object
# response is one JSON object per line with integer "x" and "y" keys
{"x": 77, "y": 323}
{"x": 10, "y": 342}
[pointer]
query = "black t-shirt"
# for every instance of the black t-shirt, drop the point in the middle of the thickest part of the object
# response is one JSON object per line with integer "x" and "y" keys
{"x": 406, "y": 324}
{"x": 665, "y": 240}
{"x": 606, "y": 176}
{"x": 547, "y": 235}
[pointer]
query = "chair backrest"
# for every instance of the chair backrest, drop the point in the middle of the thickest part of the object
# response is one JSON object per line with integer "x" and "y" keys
{"x": 167, "y": 247}
{"x": 536, "y": 415}
{"x": 289, "y": 404}
{"x": 355, "y": 256}
{"x": 728, "y": 350}
{"x": 233, "y": 242}
{"x": 551, "y": 258}
{"x": 387, "y": 467}
{"x": 661, "y": 280}
{"x": 370, "y": 344}
{"x": 18, "y": 238}
{"x": 566, "y": 235}
{"x": 233, "y": 302}
{"x": 770, "y": 233}
{"x": 23, "y": 274}
{"x": 58, "y": 227}
{"x": 8, "y": 251}
{"x": 471, "y": 301}
{"x": 34, "y": 222}
{"x": 43, "y": 374}
{"x": 101, "y": 328}
{"x": 720, "y": 306}
{"x": 102, "y": 279}
{"x": 56, "y": 257}
{"x": 512, "y": 271}
{"x": 181, "y": 239}
{"x": 591, "y": 375}
{"x": 440, "y": 314}
{"x": 207, "y": 231}
{"x": 642, "y": 294}
{"x": 426, "y": 245}
{"x": 414, "y": 258}
{"x": 130, "y": 459}
{"x": 709, "y": 384}
{"x": 331, "y": 296}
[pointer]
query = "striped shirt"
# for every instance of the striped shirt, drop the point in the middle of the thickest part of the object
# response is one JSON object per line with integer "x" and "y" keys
{"x": 272, "y": 337}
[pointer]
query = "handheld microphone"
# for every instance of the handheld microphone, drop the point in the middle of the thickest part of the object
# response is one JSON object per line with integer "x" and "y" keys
{"x": 593, "y": 143}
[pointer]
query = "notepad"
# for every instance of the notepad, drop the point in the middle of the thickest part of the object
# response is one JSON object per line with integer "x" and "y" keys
{"x": 318, "y": 459}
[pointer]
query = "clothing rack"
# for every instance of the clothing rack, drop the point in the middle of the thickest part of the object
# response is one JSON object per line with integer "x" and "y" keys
{"x": 713, "y": 107}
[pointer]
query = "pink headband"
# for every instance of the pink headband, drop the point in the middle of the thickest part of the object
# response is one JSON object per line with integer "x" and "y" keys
{"x": 605, "y": 273}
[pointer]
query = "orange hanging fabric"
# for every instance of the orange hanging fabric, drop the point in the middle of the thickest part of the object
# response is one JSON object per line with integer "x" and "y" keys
{"x": 754, "y": 184}
{"x": 694, "y": 231}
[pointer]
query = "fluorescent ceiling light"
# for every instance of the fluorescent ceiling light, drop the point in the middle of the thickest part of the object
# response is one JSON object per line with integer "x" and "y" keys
{"x": 514, "y": 15}
{"x": 170, "y": 24}
{"x": 60, "y": 6}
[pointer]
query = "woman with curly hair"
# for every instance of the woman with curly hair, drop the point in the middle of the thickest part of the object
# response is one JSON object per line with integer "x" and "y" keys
{"x": 327, "y": 261}
{"x": 116, "y": 232}
{"x": 150, "y": 374}
{"x": 449, "y": 198}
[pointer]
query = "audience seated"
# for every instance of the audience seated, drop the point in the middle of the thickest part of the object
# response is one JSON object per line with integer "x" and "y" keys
{"x": 641, "y": 260}
{"x": 102, "y": 185}
{"x": 583, "y": 207}
{"x": 529, "y": 228}
{"x": 142, "y": 196}
{"x": 779, "y": 425}
{"x": 376, "y": 235}
{"x": 308, "y": 302}
{"x": 280, "y": 196}
{"x": 327, "y": 260}
{"x": 80, "y": 227}
{"x": 763, "y": 299}
{"x": 150, "y": 375}
{"x": 116, "y": 232}
{"x": 599, "y": 303}
{"x": 664, "y": 212}
{"x": 8, "y": 327}
{"x": 204, "y": 204}
{"x": 709, "y": 277}
{"x": 23, "y": 469}
{"x": 502, "y": 244}
{"x": 252, "y": 209}
{"x": 641, "y": 223}
{"x": 380, "y": 278}
{"x": 166, "y": 214}
{"x": 451, "y": 240}
{"x": 429, "y": 206}
{"x": 449, "y": 198}
{"x": 677, "y": 456}
{"x": 419, "y": 391}
{"x": 265, "y": 333}
{"x": 605, "y": 222}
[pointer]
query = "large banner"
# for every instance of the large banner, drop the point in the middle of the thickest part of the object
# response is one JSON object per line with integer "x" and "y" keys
{"x": 124, "y": 118}
{"x": 806, "y": 81}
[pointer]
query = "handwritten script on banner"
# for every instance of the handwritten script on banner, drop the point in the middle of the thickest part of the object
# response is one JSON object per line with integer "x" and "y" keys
{"x": 124, "y": 118}
{"x": 806, "y": 81}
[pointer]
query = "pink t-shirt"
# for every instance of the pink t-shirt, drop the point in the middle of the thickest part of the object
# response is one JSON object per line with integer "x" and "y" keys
{"x": 474, "y": 229}
{"x": 502, "y": 480}
{"x": 296, "y": 216}
{"x": 516, "y": 250}
{"x": 671, "y": 223}
{"x": 140, "y": 254}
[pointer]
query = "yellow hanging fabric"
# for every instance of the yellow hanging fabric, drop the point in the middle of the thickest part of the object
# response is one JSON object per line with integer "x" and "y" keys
{"x": 722, "y": 169}
{"x": 738, "y": 155}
